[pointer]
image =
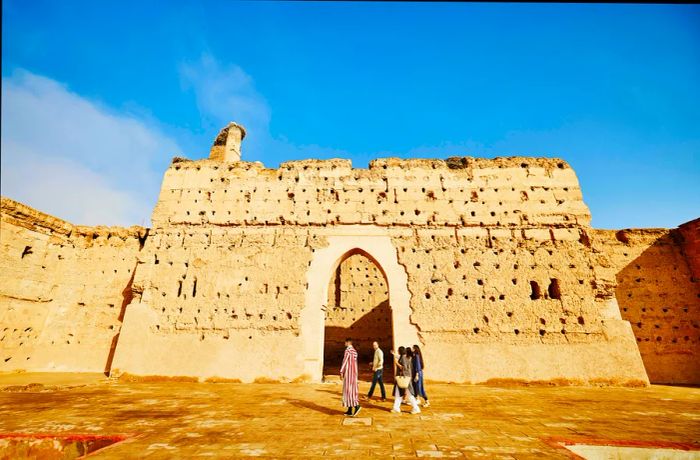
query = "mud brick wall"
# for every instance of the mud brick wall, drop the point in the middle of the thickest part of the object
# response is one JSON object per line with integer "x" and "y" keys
{"x": 358, "y": 307}
{"x": 215, "y": 281}
{"x": 499, "y": 263}
{"x": 62, "y": 291}
{"x": 658, "y": 294}
{"x": 501, "y": 286}
{"x": 501, "y": 192}
{"x": 511, "y": 292}
{"x": 233, "y": 294}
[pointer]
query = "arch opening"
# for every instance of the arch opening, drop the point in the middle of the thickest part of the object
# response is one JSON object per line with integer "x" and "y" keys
{"x": 358, "y": 307}
{"x": 347, "y": 241}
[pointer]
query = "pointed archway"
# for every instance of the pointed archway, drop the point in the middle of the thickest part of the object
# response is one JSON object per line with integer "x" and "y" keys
{"x": 380, "y": 250}
{"x": 358, "y": 307}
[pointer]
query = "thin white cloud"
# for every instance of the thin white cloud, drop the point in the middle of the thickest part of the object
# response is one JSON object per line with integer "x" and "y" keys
{"x": 225, "y": 92}
{"x": 68, "y": 156}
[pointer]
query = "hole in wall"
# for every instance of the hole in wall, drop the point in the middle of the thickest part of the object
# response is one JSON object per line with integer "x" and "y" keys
{"x": 553, "y": 290}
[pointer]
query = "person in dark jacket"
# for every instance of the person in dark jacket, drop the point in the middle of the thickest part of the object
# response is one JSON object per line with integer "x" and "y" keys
{"x": 403, "y": 367}
{"x": 418, "y": 367}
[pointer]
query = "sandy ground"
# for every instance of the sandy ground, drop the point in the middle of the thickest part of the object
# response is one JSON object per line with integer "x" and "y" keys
{"x": 176, "y": 420}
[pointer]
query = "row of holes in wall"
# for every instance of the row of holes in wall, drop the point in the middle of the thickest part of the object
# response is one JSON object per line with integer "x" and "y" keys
{"x": 553, "y": 291}
{"x": 639, "y": 326}
{"x": 433, "y": 218}
{"x": 28, "y": 251}
{"x": 382, "y": 197}
{"x": 17, "y": 335}
{"x": 266, "y": 289}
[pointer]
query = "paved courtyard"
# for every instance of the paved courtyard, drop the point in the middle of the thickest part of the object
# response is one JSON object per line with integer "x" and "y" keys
{"x": 177, "y": 419}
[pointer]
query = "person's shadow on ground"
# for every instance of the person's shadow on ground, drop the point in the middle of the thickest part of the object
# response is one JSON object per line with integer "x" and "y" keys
{"x": 328, "y": 411}
{"x": 314, "y": 406}
{"x": 369, "y": 405}
{"x": 366, "y": 404}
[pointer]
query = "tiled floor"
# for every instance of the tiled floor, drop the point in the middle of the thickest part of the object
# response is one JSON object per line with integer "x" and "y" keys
{"x": 175, "y": 420}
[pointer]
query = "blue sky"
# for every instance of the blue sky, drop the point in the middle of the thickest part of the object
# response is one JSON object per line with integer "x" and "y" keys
{"x": 99, "y": 96}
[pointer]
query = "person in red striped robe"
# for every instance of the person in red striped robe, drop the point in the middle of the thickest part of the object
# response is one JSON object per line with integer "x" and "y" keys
{"x": 348, "y": 372}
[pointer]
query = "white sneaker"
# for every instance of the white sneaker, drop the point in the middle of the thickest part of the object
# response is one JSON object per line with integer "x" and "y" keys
{"x": 395, "y": 411}
{"x": 415, "y": 411}
{"x": 426, "y": 404}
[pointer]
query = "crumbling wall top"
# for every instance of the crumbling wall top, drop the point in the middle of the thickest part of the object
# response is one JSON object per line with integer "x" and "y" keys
{"x": 452, "y": 163}
{"x": 28, "y": 217}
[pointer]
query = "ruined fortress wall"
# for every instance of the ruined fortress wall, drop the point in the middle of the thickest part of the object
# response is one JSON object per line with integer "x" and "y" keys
{"x": 658, "y": 294}
{"x": 221, "y": 289}
{"x": 503, "y": 192}
{"x": 62, "y": 290}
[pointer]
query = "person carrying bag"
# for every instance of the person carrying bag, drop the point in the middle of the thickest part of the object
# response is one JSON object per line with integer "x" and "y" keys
{"x": 402, "y": 386}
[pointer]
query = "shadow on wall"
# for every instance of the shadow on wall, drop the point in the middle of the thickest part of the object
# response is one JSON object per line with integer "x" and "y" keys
{"x": 659, "y": 296}
{"x": 373, "y": 325}
{"x": 127, "y": 297}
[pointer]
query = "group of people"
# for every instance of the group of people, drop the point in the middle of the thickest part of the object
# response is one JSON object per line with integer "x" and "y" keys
{"x": 408, "y": 378}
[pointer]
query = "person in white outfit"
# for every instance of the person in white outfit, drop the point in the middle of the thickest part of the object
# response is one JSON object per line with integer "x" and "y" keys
{"x": 403, "y": 366}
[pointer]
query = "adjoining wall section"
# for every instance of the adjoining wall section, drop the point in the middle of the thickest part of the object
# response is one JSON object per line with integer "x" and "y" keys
{"x": 658, "y": 294}
{"x": 62, "y": 290}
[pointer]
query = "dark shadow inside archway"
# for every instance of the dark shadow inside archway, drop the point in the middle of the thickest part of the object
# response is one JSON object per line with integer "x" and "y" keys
{"x": 358, "y": 307}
